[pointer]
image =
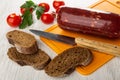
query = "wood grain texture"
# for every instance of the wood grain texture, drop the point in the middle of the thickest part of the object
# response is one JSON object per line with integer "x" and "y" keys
{"x": 99, "y": 46}
{"x": 11, "y": 71}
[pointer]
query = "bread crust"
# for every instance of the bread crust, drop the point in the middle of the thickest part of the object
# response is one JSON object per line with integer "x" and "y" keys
{"x": 33, "y": 48}
{"x": 68, "y": 60}
{"x": 37, "y": 61}
{"x": 27, "y": 50}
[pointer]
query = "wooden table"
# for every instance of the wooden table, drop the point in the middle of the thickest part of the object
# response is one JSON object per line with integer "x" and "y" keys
{"x": 12, "y": 71}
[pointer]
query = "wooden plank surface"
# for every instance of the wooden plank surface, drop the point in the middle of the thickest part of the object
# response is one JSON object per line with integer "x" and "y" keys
{"x": 11, "y": 71}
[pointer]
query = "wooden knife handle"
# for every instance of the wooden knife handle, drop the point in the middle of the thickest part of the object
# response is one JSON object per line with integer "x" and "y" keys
{"x": 99, "y": 46}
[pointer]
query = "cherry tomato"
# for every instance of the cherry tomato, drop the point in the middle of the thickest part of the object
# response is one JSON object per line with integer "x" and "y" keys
{"x": 14, "y": 20}
{"x": 57, "y": 4}
{"x": 47, "y": 18}
{"x": 22, "y": 10}
{"x": 46, "y": 6}
{"x": 57, "y": 10}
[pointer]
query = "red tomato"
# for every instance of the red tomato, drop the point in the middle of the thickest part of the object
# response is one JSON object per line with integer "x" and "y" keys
{"x": 22, "y": 10}
{"x": 46, "y": 6}
{"x": 57, "y": 10}
{"x": 14, "y": 20}
{"x": 47, "y": 18}
{"x": 57, "y": 4}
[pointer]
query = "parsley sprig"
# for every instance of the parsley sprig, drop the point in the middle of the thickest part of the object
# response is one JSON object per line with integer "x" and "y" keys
{"x": 28, "y": 16}
{"x": 39, "y": 11}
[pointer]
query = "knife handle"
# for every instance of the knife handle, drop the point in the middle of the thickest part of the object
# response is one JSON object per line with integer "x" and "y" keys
{"x": 99, "y": 46}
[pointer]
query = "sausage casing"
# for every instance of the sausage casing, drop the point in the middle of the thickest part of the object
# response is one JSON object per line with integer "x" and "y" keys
{"x": 105, "y": 24}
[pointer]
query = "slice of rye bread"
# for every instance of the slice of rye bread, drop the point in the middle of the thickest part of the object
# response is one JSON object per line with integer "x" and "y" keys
{"x": 38, "y": 60}
{"x": 24, "y": 42}
{"x": 68, "y": 60}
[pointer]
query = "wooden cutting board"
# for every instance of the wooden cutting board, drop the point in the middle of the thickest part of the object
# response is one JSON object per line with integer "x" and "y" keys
{"x": 99, "y": 57}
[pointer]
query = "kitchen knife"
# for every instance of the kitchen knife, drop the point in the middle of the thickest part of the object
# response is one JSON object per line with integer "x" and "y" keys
{"x": 90, "y": 44}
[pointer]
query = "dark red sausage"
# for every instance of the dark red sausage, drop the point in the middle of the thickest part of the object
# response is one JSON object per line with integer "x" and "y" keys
{"x": 91, "y": 22}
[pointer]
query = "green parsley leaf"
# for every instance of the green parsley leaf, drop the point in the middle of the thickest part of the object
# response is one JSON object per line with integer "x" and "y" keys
{"x": 27, "y": 19}
{"x": 39, "y": 11}
{"x": 30, "y": 19}
{"x": 28, "y": 4}
{"x": 23, "y": 24}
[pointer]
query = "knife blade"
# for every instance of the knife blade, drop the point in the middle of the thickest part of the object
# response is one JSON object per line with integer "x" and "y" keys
{"x": 56, "y": 37}
{"x": 90, "y": 44}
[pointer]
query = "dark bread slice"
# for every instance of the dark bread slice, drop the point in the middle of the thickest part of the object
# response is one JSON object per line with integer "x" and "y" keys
{"x": 38, "y": 60}
{"x": 68, "y": 60}
{"x": 24, "y": 42}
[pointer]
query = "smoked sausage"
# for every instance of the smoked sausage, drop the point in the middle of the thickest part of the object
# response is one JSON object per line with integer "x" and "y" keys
{"x": 88, "y": 21}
